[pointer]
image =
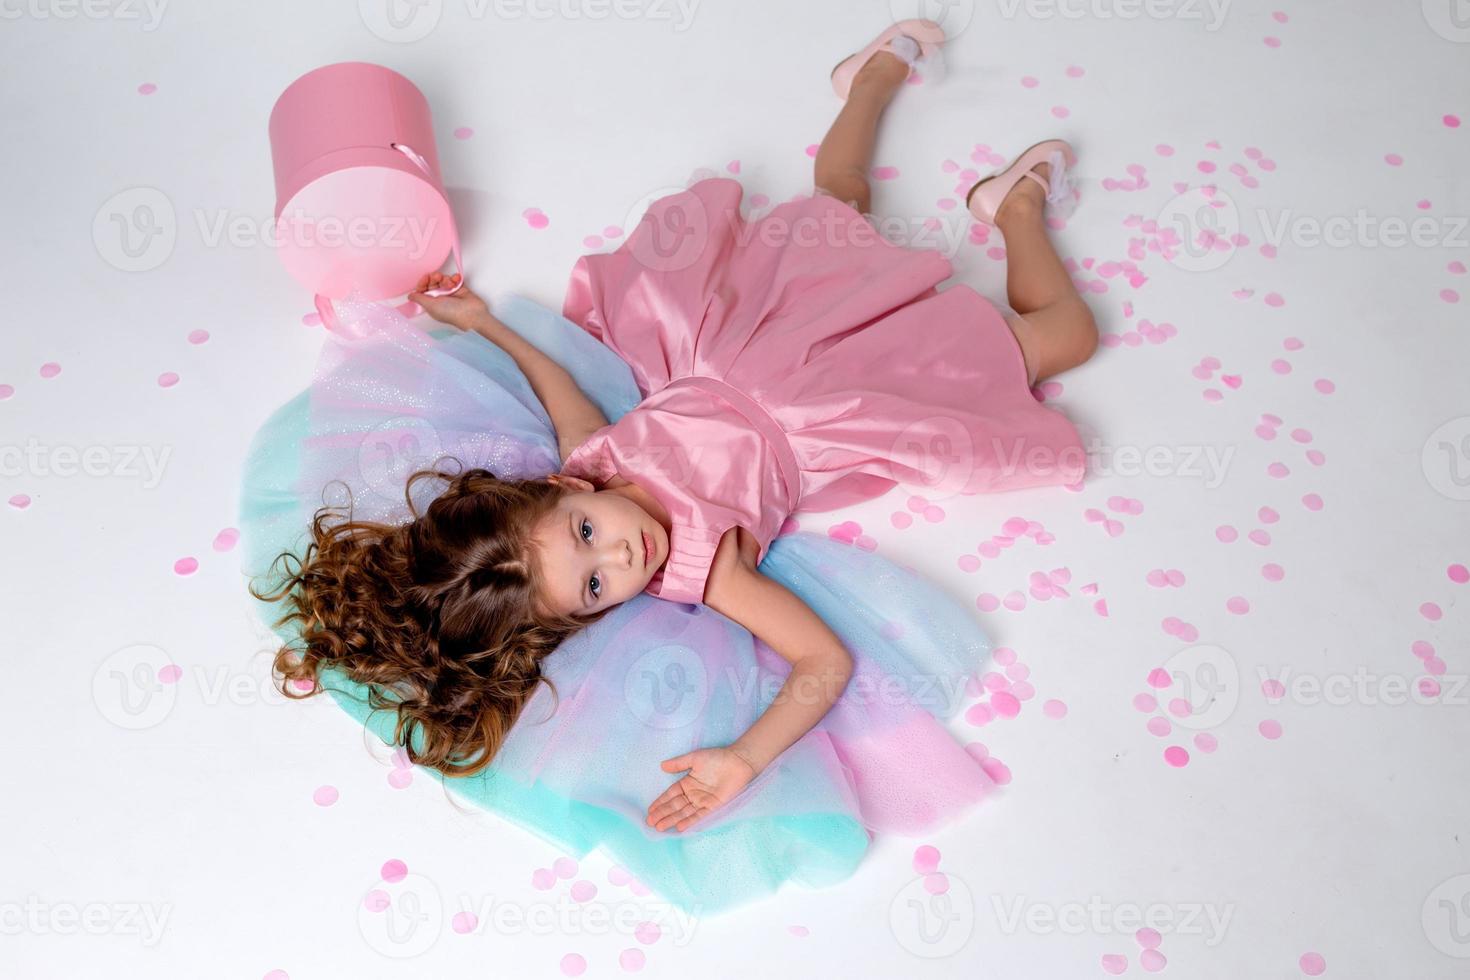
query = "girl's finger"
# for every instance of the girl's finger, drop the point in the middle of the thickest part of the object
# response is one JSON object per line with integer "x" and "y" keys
{"x": 675, "y": 802}
{"x": 679, "y": 817}
{"x": 688, "y": 822}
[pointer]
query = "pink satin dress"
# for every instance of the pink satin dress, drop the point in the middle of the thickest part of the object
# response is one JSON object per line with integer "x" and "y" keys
{"x": 799, "y": 362}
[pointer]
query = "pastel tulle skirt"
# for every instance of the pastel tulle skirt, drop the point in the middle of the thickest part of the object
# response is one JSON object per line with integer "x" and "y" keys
{"x": 653, "y": 679}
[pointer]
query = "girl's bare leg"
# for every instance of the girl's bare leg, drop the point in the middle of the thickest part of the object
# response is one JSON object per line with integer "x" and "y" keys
{"x": 846, "y": 152}
{"x": 1056, "y": 330}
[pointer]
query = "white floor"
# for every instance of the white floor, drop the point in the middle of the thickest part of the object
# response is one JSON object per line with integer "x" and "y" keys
{"x": 170, "y": 830}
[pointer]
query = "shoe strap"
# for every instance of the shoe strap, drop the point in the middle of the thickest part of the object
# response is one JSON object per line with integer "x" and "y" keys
{"x": 1040, "y": 180}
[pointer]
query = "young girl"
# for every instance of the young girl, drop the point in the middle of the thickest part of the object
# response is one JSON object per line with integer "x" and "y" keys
{"x": 801, "y": 362}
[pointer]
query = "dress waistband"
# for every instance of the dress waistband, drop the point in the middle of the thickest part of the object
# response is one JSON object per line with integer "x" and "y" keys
{"x": 757, "y": 416}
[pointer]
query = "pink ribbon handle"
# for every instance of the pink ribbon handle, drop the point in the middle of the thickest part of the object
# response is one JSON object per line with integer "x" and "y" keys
{"x": 408, "y": 308}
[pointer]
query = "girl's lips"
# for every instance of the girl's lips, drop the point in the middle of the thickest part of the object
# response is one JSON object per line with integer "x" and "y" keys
{"x": 647, "y": 549}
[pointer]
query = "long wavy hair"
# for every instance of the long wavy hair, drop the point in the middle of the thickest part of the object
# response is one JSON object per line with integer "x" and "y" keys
{"x": 438, "y": 617}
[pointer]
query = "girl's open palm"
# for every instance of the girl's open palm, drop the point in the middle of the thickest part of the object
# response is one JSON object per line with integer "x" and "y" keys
{"x": 716, "y": 776}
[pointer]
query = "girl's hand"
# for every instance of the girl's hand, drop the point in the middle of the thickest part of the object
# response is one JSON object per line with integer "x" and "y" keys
{"x": 715, "y": 777}
{"x": 457, "y": 310}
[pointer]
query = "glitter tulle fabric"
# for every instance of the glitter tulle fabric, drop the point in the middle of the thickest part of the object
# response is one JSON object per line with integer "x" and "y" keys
{"x": 655, "y": 678}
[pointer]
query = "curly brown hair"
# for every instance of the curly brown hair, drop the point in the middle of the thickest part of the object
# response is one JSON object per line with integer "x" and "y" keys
{"x": 440, "y": 617}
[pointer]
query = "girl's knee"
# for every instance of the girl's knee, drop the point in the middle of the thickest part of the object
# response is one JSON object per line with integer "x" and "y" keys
{"x": 851, "y": 189}
{"x": 1056, "y": 338}
{"x": 1086, "y": 333}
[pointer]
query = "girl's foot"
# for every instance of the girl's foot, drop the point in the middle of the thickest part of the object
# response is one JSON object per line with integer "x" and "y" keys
{"x": 880, "y": 78}
{"x": 1043, "y": 172}
{"x": 886, "y": 69}
{"x": 1026, "y": 199}
{"x": 909, "y": 40}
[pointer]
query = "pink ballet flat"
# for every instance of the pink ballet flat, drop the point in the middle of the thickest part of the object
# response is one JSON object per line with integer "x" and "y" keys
{"x": 929, "y": 35}
{"x": 984, "y": 198}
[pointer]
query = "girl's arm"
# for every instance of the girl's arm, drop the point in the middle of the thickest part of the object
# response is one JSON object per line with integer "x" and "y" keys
{"x": 820, "y": 670}
{"x": 573, "y": 414}
{"x": 820, "y": 664}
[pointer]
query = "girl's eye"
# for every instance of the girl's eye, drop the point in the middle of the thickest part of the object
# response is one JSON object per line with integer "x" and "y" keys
{"x": 592, "y": 585}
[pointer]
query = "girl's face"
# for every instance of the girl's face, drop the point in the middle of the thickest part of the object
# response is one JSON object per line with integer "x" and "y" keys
{"x": 592, "y": 548}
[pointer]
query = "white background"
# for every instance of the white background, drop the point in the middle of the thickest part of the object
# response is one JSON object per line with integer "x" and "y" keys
{"x": 1341, "y": 837}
